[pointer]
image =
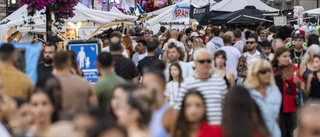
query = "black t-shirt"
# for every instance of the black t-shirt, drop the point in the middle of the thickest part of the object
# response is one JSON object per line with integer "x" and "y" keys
{"x": 125, "y": 67}
{"x": 146, "y": 61}
{"x": 43, "y": 73}
{"x": 296, "y": 56}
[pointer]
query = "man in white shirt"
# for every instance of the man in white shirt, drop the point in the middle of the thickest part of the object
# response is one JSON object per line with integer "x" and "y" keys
{"x": 141, "y": 53}
{"x": 173, "y": 56}
{"x": 232, "y": 53}
{"x": 249, "y": 57}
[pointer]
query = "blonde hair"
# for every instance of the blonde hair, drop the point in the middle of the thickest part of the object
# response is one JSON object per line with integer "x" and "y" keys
{"x": 198, "y": 43}
{"x": 312, "y": 50}
{"x": 252, "y": 80}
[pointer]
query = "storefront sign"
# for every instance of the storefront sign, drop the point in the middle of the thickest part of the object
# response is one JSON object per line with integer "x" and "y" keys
{"x": 197, "y": 10}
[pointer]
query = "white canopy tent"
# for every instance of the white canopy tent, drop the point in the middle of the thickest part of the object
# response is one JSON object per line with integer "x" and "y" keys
{"x": 90, "y": 19}
{"x": 234, "y": 5}
{"x": 313, "y": 12}
{"x": 166, "y": 15}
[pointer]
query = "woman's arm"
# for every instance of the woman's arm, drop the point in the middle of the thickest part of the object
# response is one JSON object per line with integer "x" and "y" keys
{"x": 231, "y": 78}
{"x": 307, "y": 91}
{"x": 302, "y": 68}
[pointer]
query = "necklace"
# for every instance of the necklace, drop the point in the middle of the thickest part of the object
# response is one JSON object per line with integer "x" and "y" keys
{"x": 295, "y": 56}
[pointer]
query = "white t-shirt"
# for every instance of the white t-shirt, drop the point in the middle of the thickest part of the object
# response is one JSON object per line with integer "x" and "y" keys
{"x": 172, "y": 91}
{"x": 180, "y": 44}
{"x": 107, "y": 49}
{"x": 233, "y": 54}
{"x": 141, "y": 56}
{"x": 252, "y": 58}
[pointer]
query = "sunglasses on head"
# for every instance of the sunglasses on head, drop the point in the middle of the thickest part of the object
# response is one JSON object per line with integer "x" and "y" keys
{"x": 264, "y": 71}
{"x": 298, "y": 36}
{"x": 250, "y": 42}
{"x": 316, "y": 56}
{"x": 202, "y": 61}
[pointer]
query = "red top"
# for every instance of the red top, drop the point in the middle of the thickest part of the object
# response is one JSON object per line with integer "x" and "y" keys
{"x": 288, "y": 101}
{"x": 205, "y": 130}
{"x": 217, "y": 132}
{"x": 203, "y": 37}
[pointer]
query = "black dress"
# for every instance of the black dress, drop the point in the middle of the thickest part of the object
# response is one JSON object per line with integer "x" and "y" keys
{"x": 315, "y": 87}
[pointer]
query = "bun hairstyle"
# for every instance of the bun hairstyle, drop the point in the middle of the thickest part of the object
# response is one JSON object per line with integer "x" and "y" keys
{"x": 145, "y": 102}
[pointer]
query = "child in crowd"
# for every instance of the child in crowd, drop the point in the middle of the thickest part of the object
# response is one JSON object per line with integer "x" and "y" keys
{"x": 172, "y": 87}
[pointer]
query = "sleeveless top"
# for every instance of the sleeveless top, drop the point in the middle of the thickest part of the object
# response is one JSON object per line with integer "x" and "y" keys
{"x": 306, "y": 73}
{"x": 227, "y": 82}
{"x": 315, "y": 87}
{"x": 156, "y": 127}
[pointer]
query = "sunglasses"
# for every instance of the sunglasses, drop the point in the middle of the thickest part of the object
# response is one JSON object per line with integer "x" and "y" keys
{"x": 298, "y": 36}
{"x": 250, "y": 42}
{"x": 264, "y": 71}
{"x": 203, "y": 61}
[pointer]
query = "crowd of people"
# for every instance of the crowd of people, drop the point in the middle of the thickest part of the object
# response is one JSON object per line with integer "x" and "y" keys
{"x": 203, "y": 82}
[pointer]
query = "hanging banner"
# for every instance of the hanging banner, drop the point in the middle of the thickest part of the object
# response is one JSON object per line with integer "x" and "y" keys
{"x": 197, "y": 10}
{"x": 181, "y": 11}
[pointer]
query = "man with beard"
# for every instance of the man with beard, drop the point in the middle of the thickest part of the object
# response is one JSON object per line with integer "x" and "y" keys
{"x": 45, "y": 67}
{"x": 252, "y": 55}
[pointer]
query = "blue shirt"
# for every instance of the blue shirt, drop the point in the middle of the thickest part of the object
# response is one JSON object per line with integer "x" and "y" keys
{"x": 269, "y": 107}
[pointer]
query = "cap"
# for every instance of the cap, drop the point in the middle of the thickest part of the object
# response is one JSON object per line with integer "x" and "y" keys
{"x": 194, "y": 34}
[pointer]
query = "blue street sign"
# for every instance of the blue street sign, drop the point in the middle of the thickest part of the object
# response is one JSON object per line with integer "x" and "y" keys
{"x": 86, "y": 58}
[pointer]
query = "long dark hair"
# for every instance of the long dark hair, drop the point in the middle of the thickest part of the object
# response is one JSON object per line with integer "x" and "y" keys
{"x": 50, "y": 95}
{"x": 74, "y": 64}
{"x": 275, "y": 62}
{"x": 182, "y": 125}
{"x": 241, "y": 116}
{"x": 180, "y": 72}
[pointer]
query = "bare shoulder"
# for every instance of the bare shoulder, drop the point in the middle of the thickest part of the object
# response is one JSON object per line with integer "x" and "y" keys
{"x": 230, "y": 72}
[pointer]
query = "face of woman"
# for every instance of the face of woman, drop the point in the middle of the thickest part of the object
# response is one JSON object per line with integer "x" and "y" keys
{"x": 118, "y": 95}
{"x": 25, "y": 116}
{"x": 82, "y": 123}
{"x": 194, "y": 109}
{"x": 219, "y": 61}
{"x": 284, "y": 59}
{"x": 174, "y": 71}
{"x": 316, "y": 63}
{"x": 264, "y": 76}
{"x": 206, "y": 39}
{"x": 41, "y": 106}
{"x": 184, "y": 38}
{"x": 125, "y": 115}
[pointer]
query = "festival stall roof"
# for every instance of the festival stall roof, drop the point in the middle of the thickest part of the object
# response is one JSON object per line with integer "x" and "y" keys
{"x": 248, "y": 10}
{"x": 204, "y": 18}
{"x": 114, "y": 9}
{"x": 234, "y": 5}
{"x": 82, "y": 14}
{"x": 166, "y": 14}
{"x": 313, "y": 12}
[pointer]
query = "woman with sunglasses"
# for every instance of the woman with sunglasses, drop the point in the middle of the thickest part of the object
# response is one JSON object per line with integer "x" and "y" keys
{"x": 288, "y": 79}
{"x": 313, "y": 83}
{"x": 260, "y": 81}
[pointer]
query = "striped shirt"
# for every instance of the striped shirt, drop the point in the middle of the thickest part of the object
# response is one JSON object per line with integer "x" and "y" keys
{"x": 213, "y": 90}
